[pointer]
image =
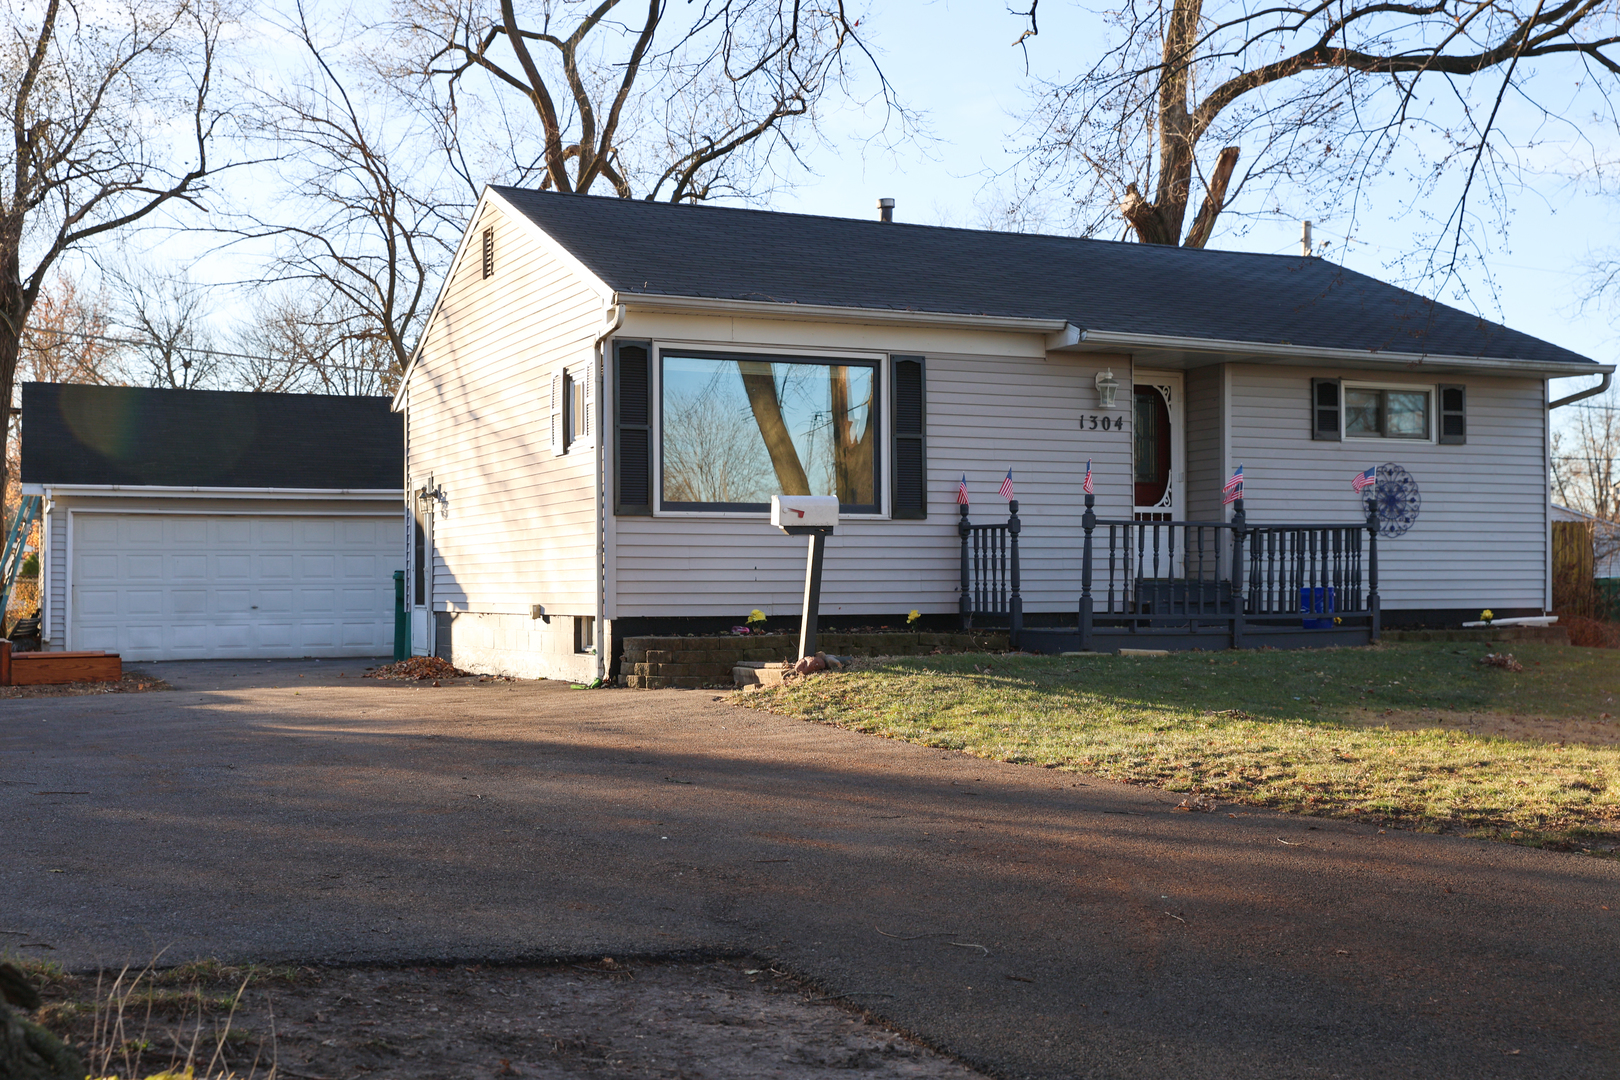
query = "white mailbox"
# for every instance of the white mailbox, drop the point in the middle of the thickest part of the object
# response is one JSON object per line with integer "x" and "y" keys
{"x": 807, "y": 511}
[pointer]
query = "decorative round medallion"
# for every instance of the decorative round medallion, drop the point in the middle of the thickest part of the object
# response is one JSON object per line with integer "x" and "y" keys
{"x": 1396, "y": 499}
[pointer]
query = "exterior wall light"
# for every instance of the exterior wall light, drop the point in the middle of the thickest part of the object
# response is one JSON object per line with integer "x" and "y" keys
{"x": 1107, "y": 389}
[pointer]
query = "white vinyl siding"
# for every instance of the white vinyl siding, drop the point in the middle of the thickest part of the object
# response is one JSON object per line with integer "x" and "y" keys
{"x": 1206, "y": 471}
{"x": 517, "y": 525}
{"x": 56, "y": 570}
{"x": 987, "y": 412}
{"x": 1481, "y": 536}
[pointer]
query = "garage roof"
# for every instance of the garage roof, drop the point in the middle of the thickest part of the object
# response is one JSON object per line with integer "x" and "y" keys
{"x": 640, "y": 248}
{"x": 132, "y": 436}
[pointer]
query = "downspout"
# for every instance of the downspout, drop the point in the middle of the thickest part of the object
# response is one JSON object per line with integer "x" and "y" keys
{"x": 1582, "y": 395}
{"x": 615, "y": 320}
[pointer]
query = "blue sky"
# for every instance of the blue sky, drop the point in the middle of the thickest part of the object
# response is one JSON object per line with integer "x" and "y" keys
{"x": 956, "y": 61}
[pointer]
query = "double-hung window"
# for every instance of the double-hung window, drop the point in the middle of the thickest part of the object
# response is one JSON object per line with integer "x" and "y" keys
{"x": 735, "y": 429}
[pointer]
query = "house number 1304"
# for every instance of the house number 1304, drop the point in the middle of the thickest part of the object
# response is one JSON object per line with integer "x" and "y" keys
{"x": 1093, "y": 422}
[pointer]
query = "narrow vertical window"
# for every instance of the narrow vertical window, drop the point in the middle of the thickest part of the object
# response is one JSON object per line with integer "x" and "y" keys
{"x": 489, "y": 253}
{"x": 418, "y": 556}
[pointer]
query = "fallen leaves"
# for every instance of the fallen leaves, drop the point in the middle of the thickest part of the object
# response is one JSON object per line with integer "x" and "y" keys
{"x": 418, "y": 667}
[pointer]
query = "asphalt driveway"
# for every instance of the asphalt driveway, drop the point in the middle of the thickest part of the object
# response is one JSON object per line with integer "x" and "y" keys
{"x": 1033, "y": 922}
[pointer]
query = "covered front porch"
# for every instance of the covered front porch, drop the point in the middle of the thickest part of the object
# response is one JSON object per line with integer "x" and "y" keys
{"x": 1184, "y": 585}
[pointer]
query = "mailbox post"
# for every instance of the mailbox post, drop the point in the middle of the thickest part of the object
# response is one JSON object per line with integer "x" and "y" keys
{"x": 814, "y": 516}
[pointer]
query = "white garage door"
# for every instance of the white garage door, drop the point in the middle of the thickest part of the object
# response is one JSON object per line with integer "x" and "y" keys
{"x": 192, "y": 587}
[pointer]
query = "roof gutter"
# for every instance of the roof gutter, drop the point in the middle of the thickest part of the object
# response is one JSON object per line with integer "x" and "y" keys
{"x": 1269, "y": 352}
{"x": 211, "y": 492}
{"x": 1582, "y": 395}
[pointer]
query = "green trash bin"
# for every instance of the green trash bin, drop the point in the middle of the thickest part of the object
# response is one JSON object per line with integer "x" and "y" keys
{"x": 402, "y": 619}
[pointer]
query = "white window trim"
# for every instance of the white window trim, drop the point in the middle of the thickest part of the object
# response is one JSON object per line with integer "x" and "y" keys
{"x": 655, "y": 381}
{"x": 1432, "y": 389}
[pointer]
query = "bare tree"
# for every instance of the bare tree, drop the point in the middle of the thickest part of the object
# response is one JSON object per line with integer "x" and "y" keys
{"x": 363, "y": 228}
{"x": 112, "y": 116}
{"x": 682, "y": 102}
{"x": 1317, "y": 95}
{"x": 164, "y": 322}
{"x": 298, "y": 343}
{"x": 70, "y": 337}
{"x": 1586, "y": 457}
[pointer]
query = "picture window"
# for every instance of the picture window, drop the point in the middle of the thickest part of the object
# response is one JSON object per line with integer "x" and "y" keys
{"x": 737, "y": 429}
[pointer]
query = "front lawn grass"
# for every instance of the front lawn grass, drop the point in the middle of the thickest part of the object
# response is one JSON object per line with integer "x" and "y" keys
{"x": 1375, "y": 734}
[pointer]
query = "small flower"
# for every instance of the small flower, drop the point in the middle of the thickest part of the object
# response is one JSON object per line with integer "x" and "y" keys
{"x": 1486, "y": 615}
{"x": 756, "y": 617}
{"x": 911, "y": 619}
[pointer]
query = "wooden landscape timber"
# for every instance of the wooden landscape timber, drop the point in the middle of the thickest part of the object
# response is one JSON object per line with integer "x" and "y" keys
{"x": 42, "y": 668}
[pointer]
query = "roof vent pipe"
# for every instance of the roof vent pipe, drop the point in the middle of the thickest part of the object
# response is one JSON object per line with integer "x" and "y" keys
{"x": 885, "y": 209}
{"x": 1305, "y": 238}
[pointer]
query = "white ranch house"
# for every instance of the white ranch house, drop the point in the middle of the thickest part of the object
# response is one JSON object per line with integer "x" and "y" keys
{"x": 609, "y": 391}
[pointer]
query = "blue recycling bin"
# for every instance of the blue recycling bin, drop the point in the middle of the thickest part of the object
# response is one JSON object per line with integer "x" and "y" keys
{"x": 1317, "y": 600}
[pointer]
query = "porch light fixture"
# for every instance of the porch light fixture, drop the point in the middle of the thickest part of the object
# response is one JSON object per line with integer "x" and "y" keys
{"x": 1107, "y": 389}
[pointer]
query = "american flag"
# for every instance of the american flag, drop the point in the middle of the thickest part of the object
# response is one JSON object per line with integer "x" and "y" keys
{"x": 1086, "y": 487}
{"x": 1234, "y": 487}
{"x": 961, "y": 492}
{"x": 1006, "y": 487}
{"x": 1364, "y": 480}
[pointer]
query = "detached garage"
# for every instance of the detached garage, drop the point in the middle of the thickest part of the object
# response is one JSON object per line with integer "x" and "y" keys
{"x": 200, "y": 524}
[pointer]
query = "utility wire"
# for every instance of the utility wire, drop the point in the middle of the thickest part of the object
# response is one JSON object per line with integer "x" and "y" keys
{"x": 147, "y": 344}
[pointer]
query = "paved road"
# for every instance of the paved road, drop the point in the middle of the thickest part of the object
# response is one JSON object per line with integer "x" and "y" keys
{"x": 1035, "y": 923}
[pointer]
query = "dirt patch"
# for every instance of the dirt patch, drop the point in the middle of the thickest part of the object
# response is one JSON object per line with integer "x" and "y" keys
{"x": 129, "y": 684}
{"x": 719, "y": 1019}
{"x": 1602, "y": 730}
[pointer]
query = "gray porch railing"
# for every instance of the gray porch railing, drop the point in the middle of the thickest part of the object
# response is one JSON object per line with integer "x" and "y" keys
{"x": 1192, "y": 576}
{"x": 990, "y": 573}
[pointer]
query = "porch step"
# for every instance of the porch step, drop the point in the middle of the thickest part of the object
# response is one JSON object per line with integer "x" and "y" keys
{"x": 754, "y": 674}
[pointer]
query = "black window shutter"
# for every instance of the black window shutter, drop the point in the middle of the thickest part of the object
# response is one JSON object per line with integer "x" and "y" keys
{"x": 1325, "y": 409}
{"x": 908, "y": 392}
{"x": 1453, "y": 413}
{"x": 632, "y": 427}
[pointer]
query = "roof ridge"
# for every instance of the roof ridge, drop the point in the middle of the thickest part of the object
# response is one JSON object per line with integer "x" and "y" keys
{"x": 764, "y": 211}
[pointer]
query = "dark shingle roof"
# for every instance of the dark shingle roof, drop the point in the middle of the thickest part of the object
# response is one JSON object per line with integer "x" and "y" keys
{"x": 73, "y": 434}
{"x": 1098, "y": 285}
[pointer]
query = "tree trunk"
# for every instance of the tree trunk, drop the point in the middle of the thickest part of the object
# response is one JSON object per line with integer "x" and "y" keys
{"x": 852, "y": 460}
{"x": 760, "y": 383}
{"x": 1214, "y": 199}
{"x": 14, "y": 308}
